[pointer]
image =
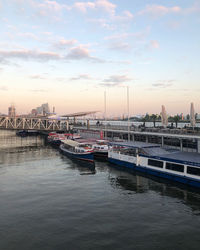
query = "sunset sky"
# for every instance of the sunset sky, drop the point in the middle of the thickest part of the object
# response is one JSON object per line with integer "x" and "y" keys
{"x": 67, "y": 53}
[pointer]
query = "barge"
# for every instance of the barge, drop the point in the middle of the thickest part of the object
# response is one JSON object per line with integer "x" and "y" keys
{"x": 183, "y": 167}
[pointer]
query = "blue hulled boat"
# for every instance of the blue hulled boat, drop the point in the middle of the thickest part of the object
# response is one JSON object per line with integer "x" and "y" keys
{"x": 78, "y": 151}
{"x": 183, "y": 167}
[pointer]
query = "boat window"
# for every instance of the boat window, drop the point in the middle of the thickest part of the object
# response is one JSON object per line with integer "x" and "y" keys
{"x": 194, "y": 171}
{"x": 128, "y": 151}
{"x": 155, "y": 163}
{"x": 175, "y": 167}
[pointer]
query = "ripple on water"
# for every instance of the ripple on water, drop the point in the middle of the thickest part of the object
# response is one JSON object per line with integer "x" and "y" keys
{"x": 50, "y": 202}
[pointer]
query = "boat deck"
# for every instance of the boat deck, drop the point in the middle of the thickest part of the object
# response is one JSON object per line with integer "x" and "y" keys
{"x": 156, "y": 151}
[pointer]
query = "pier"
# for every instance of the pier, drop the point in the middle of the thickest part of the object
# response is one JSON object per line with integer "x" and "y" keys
{"x": 182, "y": 139}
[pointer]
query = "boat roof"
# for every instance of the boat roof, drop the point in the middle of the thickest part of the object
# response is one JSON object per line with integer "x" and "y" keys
{"x": 134, "y": 144}
{"x": 166, "y": 154}
{"x": 187, "y": 158}
{"x": 84, "y": 140}
{"x": 71, "y": 143}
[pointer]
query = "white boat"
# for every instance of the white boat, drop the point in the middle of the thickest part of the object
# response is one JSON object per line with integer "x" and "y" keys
{"x": 175, "y": 165}
{"x": 78, "y": 151}
{"x": 100, "y": 149}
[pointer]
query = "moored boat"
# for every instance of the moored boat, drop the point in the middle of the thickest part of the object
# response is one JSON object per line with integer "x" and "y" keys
{"x": 55, "y": 139}
{"x": 24, "y": 133}
{"x": 77, "y": 150}
{"x": 183, "y": 167}
{"x": 100, "y": 149}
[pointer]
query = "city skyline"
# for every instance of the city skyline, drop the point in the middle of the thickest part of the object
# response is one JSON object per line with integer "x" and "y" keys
{"x": 68, "y": 53}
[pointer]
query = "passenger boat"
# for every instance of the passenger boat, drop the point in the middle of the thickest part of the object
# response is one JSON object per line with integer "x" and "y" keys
{"x": 183, "y": 167}
{"x": 24, "y": 133}
{"x": 55, "y": 139}
{"x": 100, "y": 149}
{"x": 77, "y": 150}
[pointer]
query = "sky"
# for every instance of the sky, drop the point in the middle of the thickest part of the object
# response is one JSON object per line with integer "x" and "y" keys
{"x": 69, "y": 53}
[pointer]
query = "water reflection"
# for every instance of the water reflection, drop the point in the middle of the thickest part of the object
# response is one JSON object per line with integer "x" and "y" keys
{"x": 136, "y": 183}
{"x": 83, "y": 168}
{"x": 9, "y": 140}
{"x": 15, "y": 150}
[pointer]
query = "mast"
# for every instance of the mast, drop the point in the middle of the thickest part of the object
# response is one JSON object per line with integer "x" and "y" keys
{"x": 105, "y": 114}
{"x": 128, "y": 113}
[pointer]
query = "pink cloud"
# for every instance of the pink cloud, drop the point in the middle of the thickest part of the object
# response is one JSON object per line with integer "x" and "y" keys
{"x": 154, "y": 44}
{"x": 30, "y": 54}
{"x": 159, "y": 10}
{"x": 83, "y": 6}
{"x": 63, "y": 43}
{"x": 104, "y": 5}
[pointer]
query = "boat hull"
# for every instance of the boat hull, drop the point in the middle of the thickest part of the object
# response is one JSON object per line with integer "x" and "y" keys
{"x": 101, "y": 155}
{"x": 173, "y": 177}
{"x": 24, "y": 133}
{"x": 86, "y": 157}
{"x": 54, "y": 143}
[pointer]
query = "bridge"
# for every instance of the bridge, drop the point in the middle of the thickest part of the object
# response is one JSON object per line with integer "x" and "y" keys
{"x": 33, "y": 123}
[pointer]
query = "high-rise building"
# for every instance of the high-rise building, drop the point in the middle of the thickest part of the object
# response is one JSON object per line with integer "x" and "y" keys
{"x": 43, "y": 109}
{"x": 11, "y": 111}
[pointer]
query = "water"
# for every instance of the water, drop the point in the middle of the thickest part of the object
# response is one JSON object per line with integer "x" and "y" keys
{"x": 49, "y": 202}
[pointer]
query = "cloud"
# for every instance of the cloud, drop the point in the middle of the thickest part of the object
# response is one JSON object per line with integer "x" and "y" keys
{"x": 128, "y": 40}
{"x": 163, "y": 84}
{"x": 3, "y": 88}
{"x": 102, "y": 22}
{"x": 120, "y": 46}
{"x": 103, "y": 5}
{"x": 195, "y": 8}
{"x": 63, "y": 43}
{"x": 29, "y": 54}
{"x": 81, "y": 76}
{"x": 28, "y": 35}
{"x": 3, "y": 60}
{"x": 115, "y": 81}
{"x": 38, "y": 90}
{"x": 37, "y": 77}
{"x": 159, "y": 10}
{"x": 81, "y": 53}
{"x": 137, "y": 35}
{"x": 153, "y": 44}
{"x": 125, "y": 17}
{"x": 46, "y": 7}
{"x": 84, "y": 6}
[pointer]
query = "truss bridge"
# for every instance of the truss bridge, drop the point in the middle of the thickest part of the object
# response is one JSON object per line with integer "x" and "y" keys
{"x": 33, "y": 123}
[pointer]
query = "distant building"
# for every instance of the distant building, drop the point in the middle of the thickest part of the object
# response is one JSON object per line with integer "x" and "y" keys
{"x": 34, "y": 112}
{"x": 43, "y": 109}
{"x": 11, "y": 111}
{"x": 198, "y": 116}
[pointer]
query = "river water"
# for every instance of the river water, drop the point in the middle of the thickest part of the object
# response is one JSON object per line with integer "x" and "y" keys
{"x": 49, "y": 202}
